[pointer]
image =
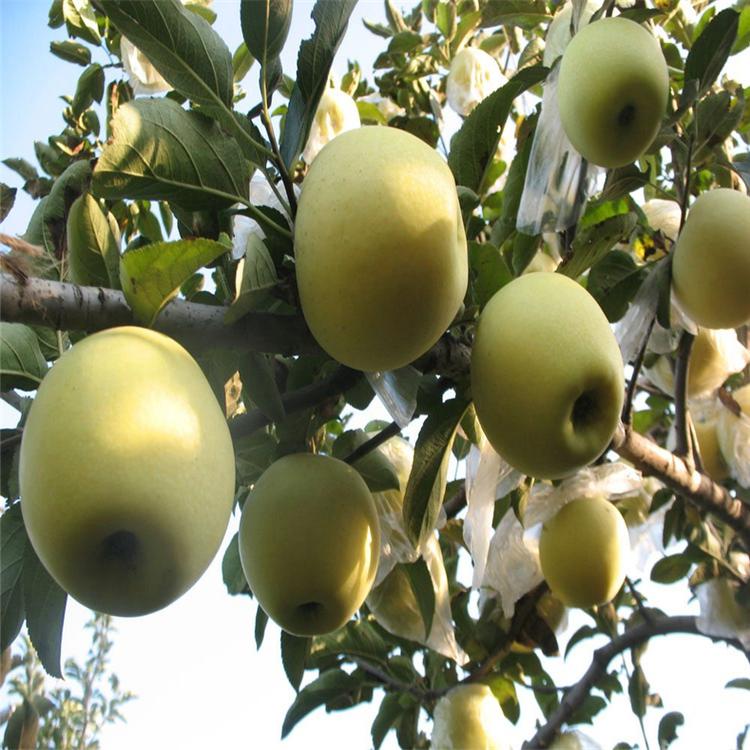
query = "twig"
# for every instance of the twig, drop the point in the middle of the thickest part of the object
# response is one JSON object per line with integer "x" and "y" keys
{"x": 382, "y": 676}
{"x": 685, "y": 197}
{"x": 642, "y": 609}
{"x": 627, "y": 409}
{"x": 682, "y": 362}
{"x": 12, "y": 399}
{"x": 370, "y": 445}
{"x": 575, "y": 697}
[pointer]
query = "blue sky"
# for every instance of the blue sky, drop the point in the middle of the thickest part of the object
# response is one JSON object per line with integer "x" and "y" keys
{"x": 200, "y": 682}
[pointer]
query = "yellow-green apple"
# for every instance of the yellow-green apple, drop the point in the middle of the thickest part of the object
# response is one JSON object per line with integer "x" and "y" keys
{"x": 473, "y": 75}
{"x": 711, "y": 268}
{"x": 309, "y": 542}
{"x": 733, "y": 432}
{"x": 380, "y": 248}
{"x": 612, "y": 91}
{"x": 546, "y": 375}
{"x": 126, "y": 471}
{"x": 583, "y": 551}
{"x": 469, "y": 716}
{"x": 558, "y": 35}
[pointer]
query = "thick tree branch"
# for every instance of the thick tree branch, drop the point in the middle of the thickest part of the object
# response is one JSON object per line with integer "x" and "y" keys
{"x": 652, "y": 459}
{"x": 70, "y": 307}
{"x": 577, "y": 694}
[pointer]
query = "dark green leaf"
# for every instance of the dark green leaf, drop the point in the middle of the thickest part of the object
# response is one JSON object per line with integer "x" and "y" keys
{"x": 739, "y": 682}
{"x": 294, "y": 653}
{"x": 160, "y": 151}
{"x": 524, "y": 13}
{"x": 231, "y": 569}
{"x": 668, "y": 728}
{"x": 93, "y": 249}
{"x": 475, "y": 144}
{"x": 22, "y": 363}
{"x": 421, "y": 584}
{"x": 313, "y": 66}
{"x": 512, "y": 193}
{"x": 388, "y": 714}
{"x": 22, "y": 168}
{"x": 152, "y": 275}
{"x": 69, "y": 51}
{"x": 259, "y": 380}
{"x": 671, "y": 568}
{"x": 329, "y": 685}
{"x": 623, "y": 181}
{"x": 614, "y": 281}
{"x": 13, "y": 542}
{"x": 426, "y": 486}
{"x": 711, "y": 49}
{"x": 90, "y": 89}
{"x": 265, "y": 26}
{"x": 181, "y": 45}
{"x": 375, "y": 468}
{"x": 45, "y": 611}
{"x": 525, "y": 247}
{"x": 7, "y": 199}
{"x": 593, "y": 243}
{"x": 356, "y": 638}
{"x": 261, "y": 620}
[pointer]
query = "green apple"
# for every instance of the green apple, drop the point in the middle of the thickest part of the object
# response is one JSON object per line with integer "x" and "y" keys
{"x": 380, "y": 246}
{"x": 546, "y": 375}
{"x": 310, "y": 542}
{"x": 711, "y": 268}
{"x": 468, "y": 716}
{"x": 583, "y": 551}
{"x": 126, "y": 471}
{"x": 612, "y": 91}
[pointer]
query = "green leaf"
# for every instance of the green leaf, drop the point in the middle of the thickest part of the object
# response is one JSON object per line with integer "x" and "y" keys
{"x": 7, "y": 200}
{"x": 356, "y": 638}
{"x": 525, "y": 247}
{"x": 45, "y": 611}
{"x": 474, "y": 145}
{"x": 512, "y": 194}
{"x": 504, "y": 689}
{"x": 90, "y": 89}
{"x": 638, "y": 691}
{"x": 265, "y": 26}
{"x": 69, "y": 51}
{"x": 671, "y": 568}
{"x": 668, "y": 728}
{"x": 421, "y": 584}
{"x": 181, "y": 45}
{"x": 329, "y": 685}
{"x": 259, "y": 380}
{"x": 613, "y": 282}
{"x": 584, "y": 632}
{"x": 491, "y": 271}
{"x": 161, "y": 151}
{"x": 256, "y": 274}
{"x": 712, "y": 48}
{"x": 261, "y": 620}
{"x": 739, "y": 682}
{"x": 524, "y": 13}
{"x": 22, "y": 168}
{"x": 152, "y": 275}
{"x": 231, "y": 569}
{"x": 22, "y": 363}
{"x": 13, "y": 541}
{"x": 80, "y": 20}
{"x": 313, "y": 66}
{"x": 242, "y": 61}
{"x": 375, "y": 468}
{"x": 294, "y": 653}
{"x": 743, "y": 31}
{"x": 593, "y": 243}
{"x": 388, "y": 714}
{"x": 93, "y": 249}
{"x": 427, "y": 480}
{"x": 623, "y": 181}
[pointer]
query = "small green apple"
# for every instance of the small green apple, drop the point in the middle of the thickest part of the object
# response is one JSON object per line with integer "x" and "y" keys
{"x": 546, "y": 375}
{"x": 468, "y": 716}
{"x": 711, "y": 268}
{"x": 380, "y": 246}
{"x": 310, "y": 542}
{"x": 612, "y": 91}
{"x": 126, "y": 471}
{"x": 583, "y": 551}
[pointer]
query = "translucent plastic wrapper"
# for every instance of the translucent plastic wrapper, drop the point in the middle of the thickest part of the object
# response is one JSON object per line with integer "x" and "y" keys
{"x": 260, "y": 194}
{"x": 336, "y": 113}
{"x": 721, "y": 615}
{"x": 488, "y": 477}
{"x": 558, "y": 34}
{"x": 143, "y": 77}
{"x": 395, "y": 546}
{"x": 663, "y": 216}
{"x": 397, "y": 390}
{"x": 558, "y": 180}
{"x": 644, "y": 529}
{"x": 574, "y": 741}
{"x": 395, "y": 607}
{"x": 473, "y": 75}
{"x": 513, "y": 566}
{"x": 733, "y": 432}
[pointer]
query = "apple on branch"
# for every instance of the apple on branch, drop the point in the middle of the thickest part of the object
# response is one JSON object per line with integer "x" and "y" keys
{"x": 126, "y": 471}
